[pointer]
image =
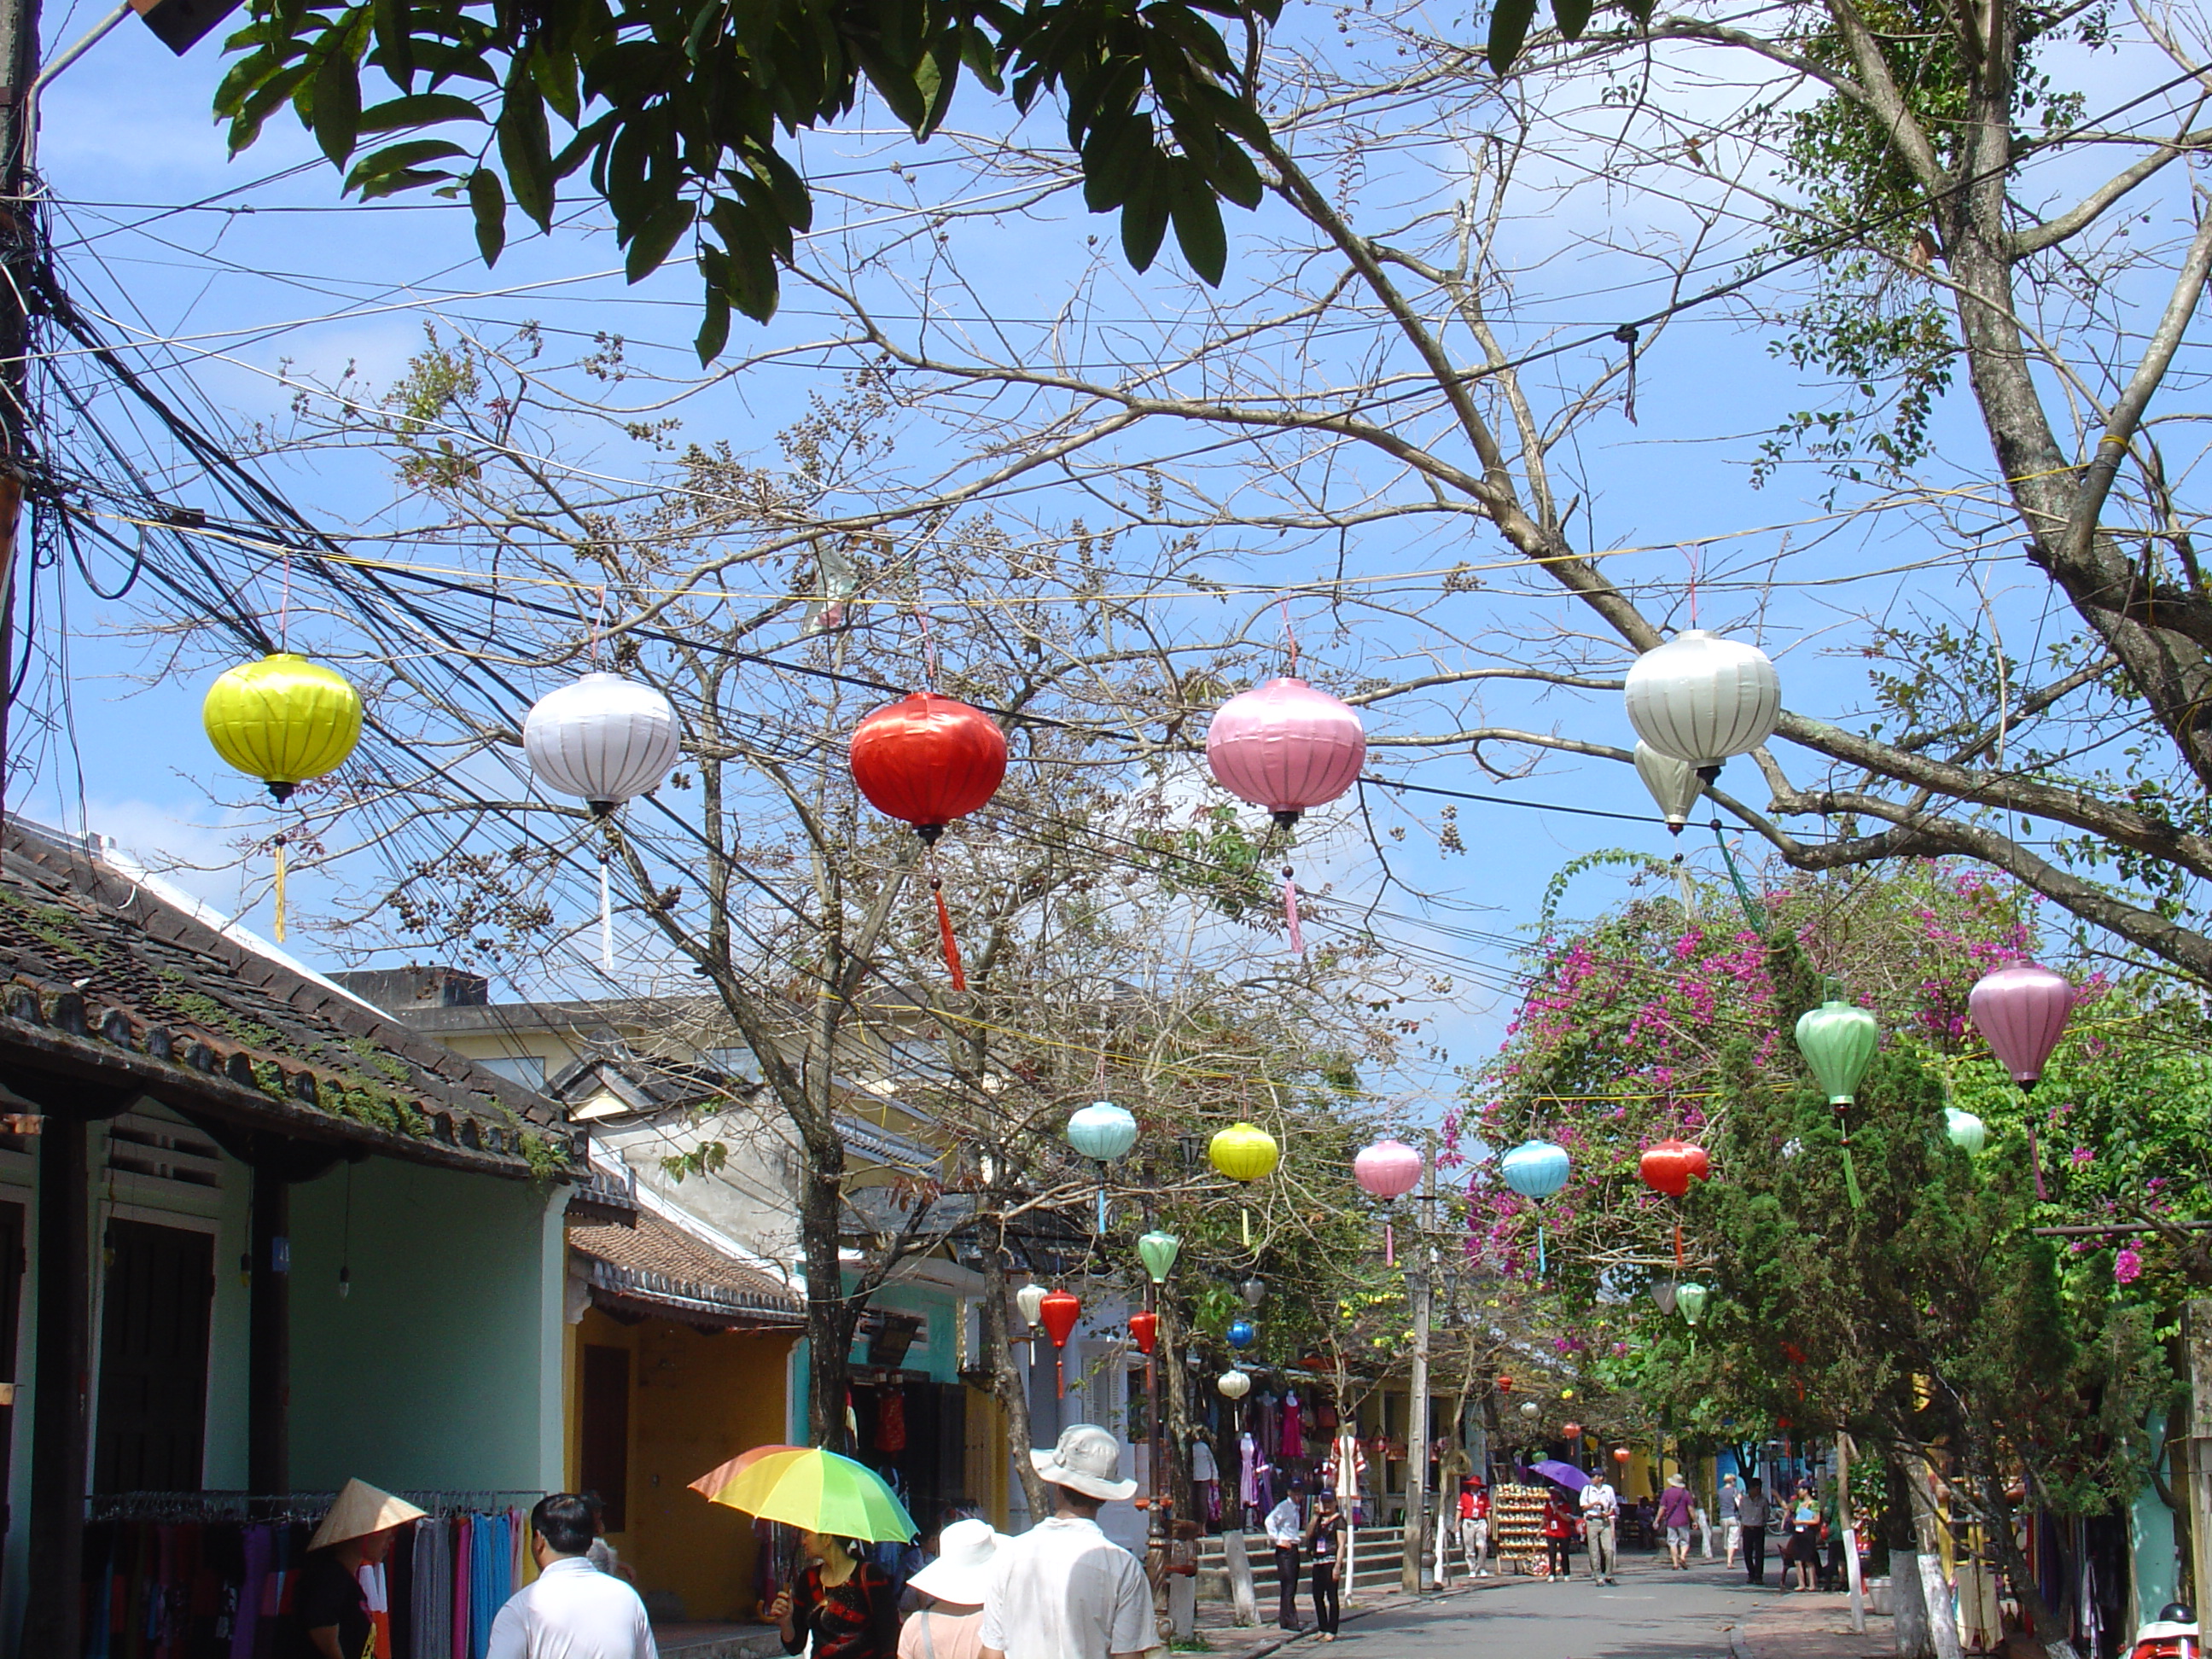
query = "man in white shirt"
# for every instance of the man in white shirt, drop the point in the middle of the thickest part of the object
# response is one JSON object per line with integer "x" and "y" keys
{"x": 1286, "y": 1528}
{"x": 1063, "y": 1589}
{"x": 1601, "y": 1519}
{"x": 572, "y": 1610}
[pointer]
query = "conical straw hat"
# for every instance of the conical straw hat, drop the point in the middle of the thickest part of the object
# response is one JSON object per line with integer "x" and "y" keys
{"x": 359, "y": 1511}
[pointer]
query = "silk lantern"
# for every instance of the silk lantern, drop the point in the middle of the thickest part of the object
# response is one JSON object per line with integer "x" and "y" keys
{"x": 1692, "y": 1300}
{"x": 1030, "y": 1300}
{"x": 1289, "y": 748}
{"x": 1505, "y": 1385}
{"x": 1573, "y": 1431}
{"x": 1529, "y": 1408}
{"x": 1662, "y": 1294}
{"x": 1243, "y": 1153}
{"x": 1233, "y": 1384}
{"x": 1621, "y": 1455}
{"x": 1700, "y": 698}
{"x": 1103, "y": 1132}
{"x": 1144, "y": 1330}
{"x": 927, "y": 760}
{"x": 1964, "y": 1131}
{"x": 1388, "y": 1171}
{"x": 603, "y": 739}
{"x": 1674, "y": 785}
{"x": 1242, "y": 1333}
{"x": 1254, "y": 1290}
{"x": 284, "y": 721}
{"x": 1158, "y": 1251}
{"x": 1536, "y": 1170}
{"x": 2021, "y": 1010}
{"x": 1059, "y": 1310}
{"x": 1669, "y": 1166}
{"x": 1838, "y": 1040}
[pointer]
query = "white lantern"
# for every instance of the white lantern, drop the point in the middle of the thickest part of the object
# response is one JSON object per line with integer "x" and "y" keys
{"x": 1700, "y": 698}
{"x": 604, "y": 739}
{"x": 1234, "y": 1385}
{"x": 1030, "y": 1300}
{"x": 1673, "y": 783}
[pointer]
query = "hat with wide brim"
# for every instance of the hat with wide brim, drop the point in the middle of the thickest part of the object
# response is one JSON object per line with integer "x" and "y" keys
{"x": 361, "y": 1509}
{"x": 1087, "y": 1460}
{"x": 966, "y": 1551}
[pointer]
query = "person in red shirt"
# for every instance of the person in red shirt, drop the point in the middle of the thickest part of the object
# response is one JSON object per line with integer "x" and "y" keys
{"x": 1558, "y": 1536}
{"x": 1475, "y": 1526}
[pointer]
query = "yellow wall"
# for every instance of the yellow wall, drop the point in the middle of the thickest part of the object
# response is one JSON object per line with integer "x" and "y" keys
{"x": 696, "y": 1400}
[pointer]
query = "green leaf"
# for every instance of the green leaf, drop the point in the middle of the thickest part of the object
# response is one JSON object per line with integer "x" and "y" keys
{"x": 257, "y": 108}
{"x": 1230, "y": 172}
{"x": 714, "y": 327}
{"x": 395, "y": 158}
{"x": 525, "y": 149}
{"x": 395, "y": 44}
{"x": 488, "y": 201}
{"x": 338, "y": 104}
{"x": 555, "y": 75}
{"x": 1199, "y": 230}
{"x": 1145, "y": 221}
{"x": 1572, "y": 16}
{"x": 419, "y": 109}
{"x": 655, "y": 237}
{"x": 391, "y": 184}
{"x": 1508, "y": 28}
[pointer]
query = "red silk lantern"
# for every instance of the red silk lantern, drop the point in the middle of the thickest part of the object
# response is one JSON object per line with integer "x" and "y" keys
{"x": 1058, "y": 1313}
{"x": 1621, "y": 1455}
{"x": 928, "y": 759}
{"x": 1573, "y": 1431}
{"x": 1505, "y": 1385}
{"x": 1146, "y": 1328}
{"x": 1669, "y": 1167}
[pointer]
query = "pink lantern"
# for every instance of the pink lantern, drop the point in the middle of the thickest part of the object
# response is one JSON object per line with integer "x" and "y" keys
{"x": 2020, "y": 1009}
{"x": 1388, "y": 1170}
{"x": 1288, "y": 748}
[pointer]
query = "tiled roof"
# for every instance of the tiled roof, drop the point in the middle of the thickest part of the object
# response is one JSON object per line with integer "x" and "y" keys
{"x": 665, "y": 1269}
{"x": 104, "y": 981}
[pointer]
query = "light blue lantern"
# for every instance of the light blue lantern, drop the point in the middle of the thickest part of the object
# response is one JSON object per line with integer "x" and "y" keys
{"x": 1965, "y": 1131}
{"x": 1102, "y": 1132}
{"x": 1242, "y": 1333}
{"x": 1535, "y": 1170}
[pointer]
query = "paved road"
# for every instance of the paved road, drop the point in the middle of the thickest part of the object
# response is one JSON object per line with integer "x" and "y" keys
{"x": 1654, "y": 1613}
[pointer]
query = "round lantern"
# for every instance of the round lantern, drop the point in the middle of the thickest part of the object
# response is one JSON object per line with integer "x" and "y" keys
{"x": 1691, "y": 1299}
{"x": 2020, "y": 1009}
{"x": 1838, "y": 1040}
{"x": 1287, "y": 747}
{"x": 1101, "y": 1130}
{"x": 1505, "y": 1385}
{"x": 1388, "y": 1170}
{"x": 283, "y": 720}
{"x": 1621, "y": 1455}
{"x": 1535, "y": 1169}
{"x": 1573, "y": 1431}
{"x": 1700, "y": 698}
{"x": 1030, "y": 1300}
{"x": 1242, "y": 1333}
{"x": 1529, "y": 1408}
{"x": 1059, "y": 1311}
{"x": 1144, "y": 1330}
{"x": 1158, "y": 1251}
{"x": 603, "y": 739}
{"x": 1254, "y": 1291}
{"x": 1669, "y": 1166}
{"x": 927, "y": 760}
{"x": 1243, "y": 1151}
{"x": 1964, "y": 1131}
{"x": 1234, "y": 1385}
{"x": 1673, "y": 784}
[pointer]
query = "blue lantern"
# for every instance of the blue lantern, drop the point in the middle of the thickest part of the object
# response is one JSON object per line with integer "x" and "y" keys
{"x": 1102, "y": 1132}
{"x": 1242, "y": 1333}
{"x": 1536, "y": 1170}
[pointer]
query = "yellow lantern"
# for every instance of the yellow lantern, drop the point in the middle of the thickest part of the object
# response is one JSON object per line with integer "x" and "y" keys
{"x": 1244, "y": 1151}
{"x": 283, "y": 720}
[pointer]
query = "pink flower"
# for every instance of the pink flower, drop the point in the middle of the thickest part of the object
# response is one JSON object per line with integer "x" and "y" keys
{"x": 2127, "y": 1265}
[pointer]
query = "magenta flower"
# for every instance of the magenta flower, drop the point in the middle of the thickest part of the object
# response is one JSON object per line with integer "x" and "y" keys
{"x": 2127, "y": 1265}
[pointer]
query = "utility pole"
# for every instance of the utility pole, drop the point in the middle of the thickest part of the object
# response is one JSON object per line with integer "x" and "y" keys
{"x": 21, "y": 247}
{"x": 1417, "y": 1406}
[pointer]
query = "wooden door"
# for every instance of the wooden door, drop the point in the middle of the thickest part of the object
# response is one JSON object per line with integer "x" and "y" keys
{"x": 152, "y": 1429}
{"x": 603, "y": 1427}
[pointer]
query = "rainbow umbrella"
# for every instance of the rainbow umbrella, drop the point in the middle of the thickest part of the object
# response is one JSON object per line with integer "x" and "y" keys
{"x": 814, "y": 1489}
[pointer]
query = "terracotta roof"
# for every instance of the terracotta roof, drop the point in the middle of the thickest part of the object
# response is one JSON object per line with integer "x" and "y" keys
{"x": 106, "y": 983}
{"x": 659, "y": 1268}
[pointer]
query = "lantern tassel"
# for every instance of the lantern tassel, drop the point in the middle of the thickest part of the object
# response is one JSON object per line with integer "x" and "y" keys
{"x": 1290, "y": 914}
{"x": 1389, "y": 1245}
{"x": 1678, "y": 1246}
{"x": 1851, "y": 1181}
{"x": 952, "y": 945}
{"x": 1058, "y": 1374}
{"x": 1244, "y": 1216}
{"x": 1540, "y": 1265}
{"x": 1102, "y": 1209}
{"x": 606, "y": 917}
{"x": 2034, "y": 1161}
{"x": 280, "y": 890}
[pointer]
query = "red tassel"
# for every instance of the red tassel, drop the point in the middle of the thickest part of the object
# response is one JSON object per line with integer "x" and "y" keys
{"x": 1290, "y": 914}
{"x": 1059, "y": 1376}
{"x": 944, "y": 933}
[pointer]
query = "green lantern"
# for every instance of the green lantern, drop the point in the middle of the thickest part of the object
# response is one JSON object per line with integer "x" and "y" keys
{"x": 1158, "y": 1251}
{"x": 1966, "y": 1132}
{"x": 1690, "y": 1297}
{"x": 1838, "y": 1040}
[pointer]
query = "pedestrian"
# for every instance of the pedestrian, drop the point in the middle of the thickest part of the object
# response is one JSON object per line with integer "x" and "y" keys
{"x": 1063, "y": 1589}
{"x": 1731, "y": 1522}
{"x": 1475, "y": 1526}
{"x": 1751, "y": 1514}
{"x": 1675, "y": 1511}
{"x": 331, "y": 1616}
{"x": 1325, "y": 1543}
{"x": 1286, "y": 1526}
{"x": 1558, "y": 1538}
{"x": 1803, "y": 1547}
{"x": 571, "y": 1610}
{"x": 848, "y": 1606}
{"x": 950, "y": 1624}
{"x": 1600, "y": 1507}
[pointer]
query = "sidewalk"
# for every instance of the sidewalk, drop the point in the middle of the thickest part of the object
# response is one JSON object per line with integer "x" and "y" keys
{"x": 1255, "y": 1640}
{"x": 1815, "y": 1625}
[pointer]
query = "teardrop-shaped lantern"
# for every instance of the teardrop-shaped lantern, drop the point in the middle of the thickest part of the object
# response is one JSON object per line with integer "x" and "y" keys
{"x": 1389, "y": 1169}
{"x": 604, "y": 740}
{"x": 1669, "y": 1167}
{"x": 1701, "y": 698}
{"x": 1158, "y": 1251}
{"x": 1964, "y": 1131}
{"x": 1505, "y": 1385}
{"x": 1243, "y": 1151}
{"x": 1690, "y": 1299}
{"x": 1144, "y": 1330}
{"x": 1663, "y": 1292}
{"x": 1838, "y": 1040}
{"x": 2021, "y": 1011}
{"x": 1287, "y": 747}
{"x": 283, "y": 720}
{"x": 1242, "y": 1333}
{"x": 1673, "y": 784}
{"x": 1103, "y": 1131}
{"x": 1058, "y": 1313}
{"x": 1233, "y": 1385}
{"x": 1030, "y": 1300}
{"x": 1535, "y": 1169}
{"x": 1254, "y": 1290}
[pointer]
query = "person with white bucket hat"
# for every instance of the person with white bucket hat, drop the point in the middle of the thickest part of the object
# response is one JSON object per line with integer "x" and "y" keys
{"x": 1063, "y": 1589}
{"x": 951, "y": 1627}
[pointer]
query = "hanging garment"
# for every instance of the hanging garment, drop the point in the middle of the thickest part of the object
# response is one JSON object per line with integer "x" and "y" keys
{"x": 891, "y": 1421}
{"x": 464, "y": 1581}
{"x": 375, "y": 1590}
{"x": 1294, "y": 1438}
{"x": 1248, "y": 1475}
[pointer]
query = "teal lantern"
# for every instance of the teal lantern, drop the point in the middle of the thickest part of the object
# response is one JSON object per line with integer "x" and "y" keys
{"x": 1158, "y": 1251}
{"x": 1102, "y": 1132}
{"x": 1537, "y": 1169}
{"x": 1965, "y": 1131}
{"x": 1838, "y": 1040}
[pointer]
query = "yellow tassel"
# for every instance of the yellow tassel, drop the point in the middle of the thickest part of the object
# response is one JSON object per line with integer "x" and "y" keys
{"x": 1245, "y": 1215}
{"x": 280, "y": 890}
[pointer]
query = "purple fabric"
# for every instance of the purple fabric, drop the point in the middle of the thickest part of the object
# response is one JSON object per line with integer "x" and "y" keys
{"x": 1674, "y": 1507}
{"x": 245, "y": 1625}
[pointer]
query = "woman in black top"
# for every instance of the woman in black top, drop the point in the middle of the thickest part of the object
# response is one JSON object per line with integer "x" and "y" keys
{"x": 1325, "y": 1541}
{"x": 329, "y": 1607}
{"x": 848, "y": 1607}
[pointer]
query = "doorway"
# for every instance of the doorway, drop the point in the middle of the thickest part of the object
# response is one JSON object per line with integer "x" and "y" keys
{"x": 152, "y": 1428}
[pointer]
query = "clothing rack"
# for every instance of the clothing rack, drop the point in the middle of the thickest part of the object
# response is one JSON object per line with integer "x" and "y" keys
{"x": 285, "y": 1506}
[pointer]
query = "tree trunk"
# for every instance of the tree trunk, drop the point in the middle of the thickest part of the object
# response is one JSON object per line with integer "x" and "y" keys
{"x": 1182, "y": 1490}
{"x": 1908, "y": 1603}
{"x": 1007, "y": 1385}
{"x": 2044, "y": 1624}
{"x": 831, "y": 1318}
{"x": 1927, "y": 1563}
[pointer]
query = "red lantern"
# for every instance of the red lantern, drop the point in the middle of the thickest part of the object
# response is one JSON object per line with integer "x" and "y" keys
{"x": 1146, "y": 1328}
{"x": 1573, "y": 1431}
{"x": 1670, "y": 1166}
{"x": 1058, "y": 1313}
{"x": 1505, "y": 1385}
{"x": 929, "y": 760}
{"x": 1620, "y": 1455}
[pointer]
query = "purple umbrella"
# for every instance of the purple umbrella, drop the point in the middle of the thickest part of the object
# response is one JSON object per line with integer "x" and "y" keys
{"x": 1566, "y": 1474}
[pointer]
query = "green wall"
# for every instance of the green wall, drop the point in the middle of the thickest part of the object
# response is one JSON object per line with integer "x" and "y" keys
{"x": 941, "y": 1360}
{"x": 441, "y": 1369}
